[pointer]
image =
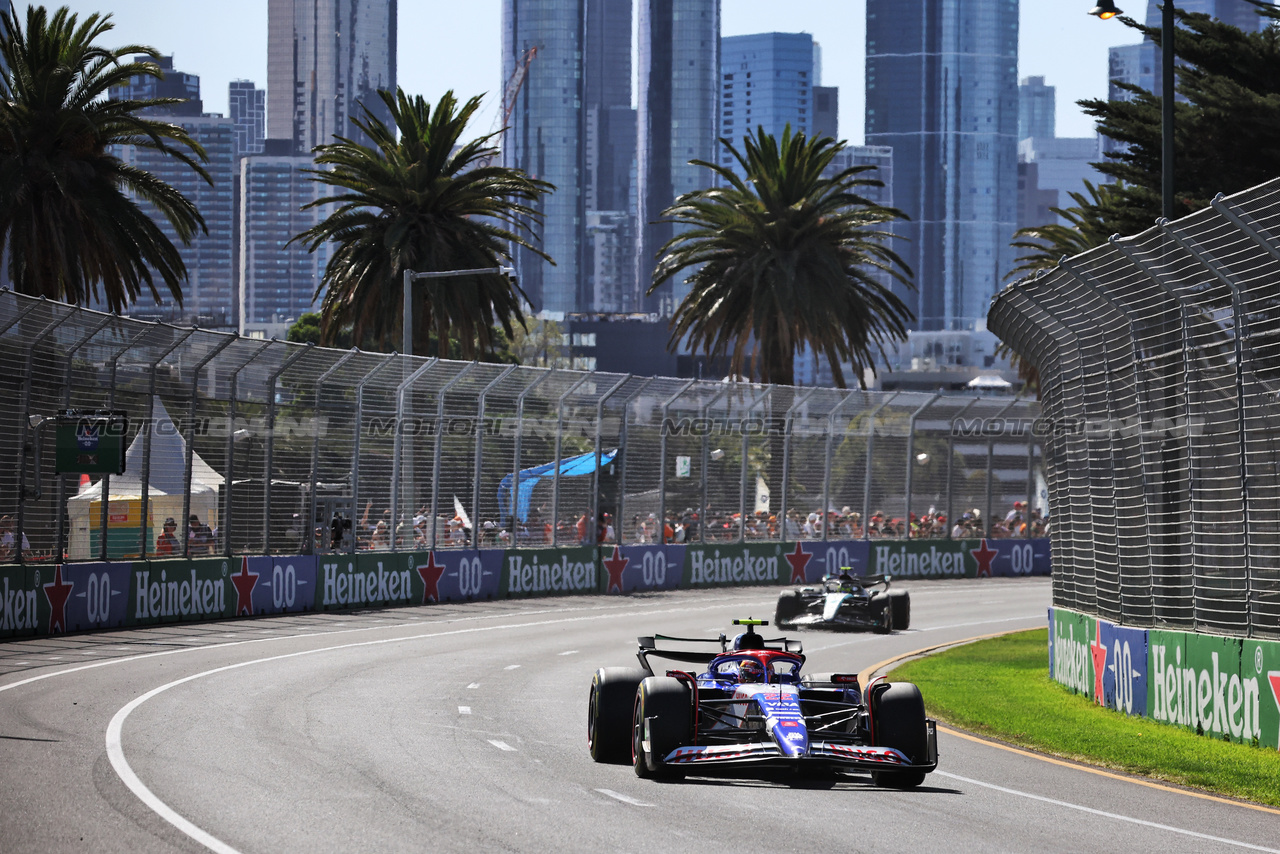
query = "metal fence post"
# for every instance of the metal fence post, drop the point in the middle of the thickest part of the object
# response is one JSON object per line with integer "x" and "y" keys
{"x": 706, "y": 460}
{"x": 60, "y": 536}
{"x": 515, "y": 471}
{"x": 24, "y": 428}
{"x": 799, "y": 401}
{"x": 480, "y": 431}
{"x": 355, "y": 444}
{"x": 866, "y": 485}
{"x": 555, "y": 480}
{"x": 148, "y": 432}
{"x": 622, "y": 454}
{"x": 991, "y": 449}
{"x": 111, "y": 405}
{"x": 225, "y": 525}
{"x": 307, "y": 533}
{"x": 828, "y": 457}
{"x": 911, "y": 456}
{"x": 742, "y": 484}
{"x": 951, "y": 456}
{"x": 662, "y": 463}
{"x": 397, "y": 445}
{"x": 439, "y": 445}
{"x": 189, "y": 440}
{"x": 595, "y": 475}
{"x": 315, "y": 443}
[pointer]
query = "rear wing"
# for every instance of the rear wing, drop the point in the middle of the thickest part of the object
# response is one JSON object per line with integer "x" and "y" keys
{"x": 650, "y": 646}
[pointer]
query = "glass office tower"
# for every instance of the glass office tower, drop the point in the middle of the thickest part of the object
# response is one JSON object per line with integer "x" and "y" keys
{"x": 679, "y": 55}
{"x": 942, "y": 90}
{"x": 766, "y": 81}
{"x": 546, "y": 137}
{"x": 324, "y": 59}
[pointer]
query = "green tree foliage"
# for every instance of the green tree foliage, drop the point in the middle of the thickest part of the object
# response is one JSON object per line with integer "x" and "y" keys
{"x": 68, "y": 215}
{"x": 419, "y": 199}
{"x": 1227, "y": 133}
{"x": 785, "y": 258}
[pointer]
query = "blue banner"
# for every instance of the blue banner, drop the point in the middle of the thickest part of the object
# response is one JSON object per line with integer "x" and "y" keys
{"x": 638, "y": 569}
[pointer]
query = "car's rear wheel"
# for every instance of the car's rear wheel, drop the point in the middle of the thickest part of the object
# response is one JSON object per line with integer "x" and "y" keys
{"x": 790, "y": 606}
{"x": 900, "y": 603}
{"x": 899, "y": 719}
{"x": 667, "y": 705}
{"x": 613, "y": 694}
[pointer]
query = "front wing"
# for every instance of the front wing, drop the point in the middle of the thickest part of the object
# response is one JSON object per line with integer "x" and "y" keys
{"x": 854, "y": 756}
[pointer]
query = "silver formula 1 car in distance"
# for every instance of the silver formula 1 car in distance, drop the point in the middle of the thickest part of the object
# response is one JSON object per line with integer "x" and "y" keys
{"x": 845, "y": 601}
{"x": 747, "y": 704}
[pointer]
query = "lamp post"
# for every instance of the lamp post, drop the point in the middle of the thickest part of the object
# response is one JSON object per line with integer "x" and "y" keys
{"x": 1106, "y": 9}
{"x": 410, "y": 277}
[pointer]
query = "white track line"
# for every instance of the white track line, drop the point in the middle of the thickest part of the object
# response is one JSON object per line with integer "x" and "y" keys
{"x": 501, "y": 745}
{"x": 624, "y": 798}
{"x": 1105, "y": 814}
{"x": 464, "y": 710}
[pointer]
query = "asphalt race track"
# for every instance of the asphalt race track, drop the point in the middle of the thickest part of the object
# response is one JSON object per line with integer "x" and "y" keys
{"x": 463, "y": 728}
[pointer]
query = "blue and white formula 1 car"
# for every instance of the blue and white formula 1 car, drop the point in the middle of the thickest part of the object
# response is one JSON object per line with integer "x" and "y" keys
{"x": 845, "y": 601}
{"x": 752, "y": 706}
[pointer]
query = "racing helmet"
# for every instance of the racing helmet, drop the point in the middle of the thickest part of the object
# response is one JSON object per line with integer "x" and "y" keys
{"x": 748, "y": 640}
{"x": 847, "y": 584}
{"x": 750, "y": 670}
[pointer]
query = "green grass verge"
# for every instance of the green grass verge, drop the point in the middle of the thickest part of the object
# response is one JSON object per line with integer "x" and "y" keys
{"x": 1001, "y": 688}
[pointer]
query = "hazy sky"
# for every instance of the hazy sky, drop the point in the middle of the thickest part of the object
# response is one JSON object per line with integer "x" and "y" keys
{"x": 446, "y": 44}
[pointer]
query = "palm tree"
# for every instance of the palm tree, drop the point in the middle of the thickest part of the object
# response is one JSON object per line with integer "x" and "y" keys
{"x": 69, "y": 213}
{"x": 425, "y": 203}
{"x": 1087, "y": 227}
{"x": 783, "y": 258}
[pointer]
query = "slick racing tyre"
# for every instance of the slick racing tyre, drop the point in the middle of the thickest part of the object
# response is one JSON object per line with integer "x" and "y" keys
{"x": 900, "y": 602}
{"x": 883, "y": 607}
{"x": 668, "y": 706}
{"x": 613, "y": 693}
{"x": 899, "y": 721}
{"x": 790, "y": 606}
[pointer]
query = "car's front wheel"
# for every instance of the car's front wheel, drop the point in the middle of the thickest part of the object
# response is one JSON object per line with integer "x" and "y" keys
{"x": 899, "y": 721}
{"x": 665, "y": 706}
{"x": 613, "y": 692}
{"x": 790, "y": 606}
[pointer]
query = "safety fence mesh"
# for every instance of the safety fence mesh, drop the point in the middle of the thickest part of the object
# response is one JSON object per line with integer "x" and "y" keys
{"x": 245, "y": 446}
{"x": 1159, "y": 363}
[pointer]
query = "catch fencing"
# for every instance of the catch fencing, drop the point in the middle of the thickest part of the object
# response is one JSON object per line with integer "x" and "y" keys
{"x": 1159, "y": 361}
{"x": 271, "y": 448}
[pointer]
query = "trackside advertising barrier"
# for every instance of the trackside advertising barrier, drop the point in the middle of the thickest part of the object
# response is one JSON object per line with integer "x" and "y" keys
{"x": 1214, "y": 685}
{"x": 73, "y": 597}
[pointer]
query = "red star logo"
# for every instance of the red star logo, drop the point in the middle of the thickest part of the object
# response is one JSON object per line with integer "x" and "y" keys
{"x": 1099, "y": 650}
{"x": 798, "y": 559}
{"x": 615, "y": 565}
{"x": 244, "y": 580}
{"x": 984, "y": 556}
{"x": 431, "y": 573}
{"x": 57, "y": 593}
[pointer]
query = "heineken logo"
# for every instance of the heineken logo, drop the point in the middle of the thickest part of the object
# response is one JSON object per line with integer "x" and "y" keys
{"x": 1210, "y": 699}
{"x": 933, "y": 563}
{"x": 731, "y": 569}
{"x": 1072, "y": 659}
{"x": 559, "y": 576}
{"x": 346, "y": 585}
{"x": 17, "y": 608}
{"x": 163, "y": 596}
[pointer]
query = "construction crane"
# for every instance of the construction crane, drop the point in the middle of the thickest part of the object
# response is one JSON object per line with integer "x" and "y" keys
{"x": 509, "y": 94}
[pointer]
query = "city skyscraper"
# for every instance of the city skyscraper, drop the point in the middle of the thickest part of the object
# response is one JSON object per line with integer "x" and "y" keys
{"x": 546, "y": 137}
{"x": 324, "y": 59}
{"x": 766, "y": 81}
{"x": 1036, "y": 105}
{"x": 247, "y": 105}
{"x": 209, "y": 292}
{"x": 277, "y": 279}
{"x": 679, "y": 76}
{"x": 609, "y": 265}
{"x": 942, "y": 91}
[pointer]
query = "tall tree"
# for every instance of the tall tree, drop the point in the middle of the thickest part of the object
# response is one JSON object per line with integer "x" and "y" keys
{"x": 1227, "y": 132}
{"x": 69, "y": 220}
{"x": 423, "y": 202}
{"x": 785, "y": 257}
